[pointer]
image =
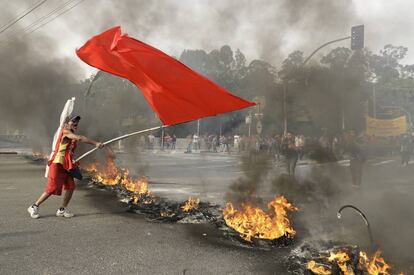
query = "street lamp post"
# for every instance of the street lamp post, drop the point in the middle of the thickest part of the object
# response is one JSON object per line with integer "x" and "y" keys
{"x": 303, "y": 64}
{"x": 88, "y": 90}
{"x": 249, "y": 121}
{"x": 324, "y": 45}
{"x": 284, "y": 111}
{"x": 198, "y": 128}
{"x": 374, "y": 101}
{"x": 357, "y": 38}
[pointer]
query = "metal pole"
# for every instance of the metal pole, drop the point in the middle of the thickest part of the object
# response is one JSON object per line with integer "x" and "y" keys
{"x": 120, "y": 138}
{"x": 249, "y": 128}
{"x": 409, "y": 119}
{"x": 284, "y": 110}
{"x": 162, "y": 138}
{"x": 88, "y": 90}
{"x": 326, "y": 44}
{"x": 220, "y": 125}
{"x": 198, "y": 128}
{"x": 374, "y": 102}
{"x": 309, "y": 57}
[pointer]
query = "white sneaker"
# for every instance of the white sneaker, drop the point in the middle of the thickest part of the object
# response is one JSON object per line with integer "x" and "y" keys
{"x": 64, "y": 213}
{"x": 33, "y": 211}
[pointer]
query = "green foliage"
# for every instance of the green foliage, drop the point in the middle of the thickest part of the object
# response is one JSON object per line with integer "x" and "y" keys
{"x": 337, "y": 86}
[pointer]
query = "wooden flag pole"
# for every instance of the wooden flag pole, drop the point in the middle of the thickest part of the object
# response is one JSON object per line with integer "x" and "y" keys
{"x": 120, "y": 138}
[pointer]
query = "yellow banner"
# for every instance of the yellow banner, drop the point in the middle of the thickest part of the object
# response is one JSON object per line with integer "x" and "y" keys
{"x": 386, "y": 127}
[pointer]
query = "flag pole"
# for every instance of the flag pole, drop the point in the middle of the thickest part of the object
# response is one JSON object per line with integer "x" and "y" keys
{"x": 121, "y": 137}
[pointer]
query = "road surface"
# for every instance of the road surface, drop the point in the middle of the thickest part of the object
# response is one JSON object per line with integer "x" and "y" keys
{"x": 103, "y": 238}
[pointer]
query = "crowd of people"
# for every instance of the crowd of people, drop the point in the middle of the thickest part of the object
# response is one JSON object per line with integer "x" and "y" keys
{"x": 374, "y": 146}
{"x": 291, "y": 148}
{"x": 287, "y": 149}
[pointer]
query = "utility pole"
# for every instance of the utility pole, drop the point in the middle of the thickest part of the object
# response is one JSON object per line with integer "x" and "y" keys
{"x": 162, "y": 138}
{"x": 88, "y": 91}
{"x": 198, "y": 128}
{"x": 357, "y": 43}
{"x": 249, "y": 121}
{"x": 220, "y": 125}
{"x": 374, "y": 102}
{"x": 250, "y": 126}
{"x": 284, "y": 110}
{"x": 323, "y": 45}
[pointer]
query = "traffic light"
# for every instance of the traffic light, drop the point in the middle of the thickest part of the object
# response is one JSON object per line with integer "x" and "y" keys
{"x": 357, "y": 37}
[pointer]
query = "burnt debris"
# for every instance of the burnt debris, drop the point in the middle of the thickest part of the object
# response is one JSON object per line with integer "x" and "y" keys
{"x": 156, "y": 209}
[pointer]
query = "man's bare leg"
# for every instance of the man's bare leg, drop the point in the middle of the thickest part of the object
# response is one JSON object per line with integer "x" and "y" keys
{"x": 42, "y": 198}
{"x": 66, "y": 199}
{"x": 34, "y": 208}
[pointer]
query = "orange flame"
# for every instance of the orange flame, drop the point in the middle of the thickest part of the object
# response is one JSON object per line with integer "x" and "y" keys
{"x": 374, "y": 266}
{"x": 90, "y": 167}
{"x": 110, "y": 176}
{"x": 318, "y": 269}
{"x": 190, "y": 204}
{"x": 113, "y": 176}
{"x": 253, "y": 222}
{"x": 340, "y": 258}
{"x": 139, "y": 187}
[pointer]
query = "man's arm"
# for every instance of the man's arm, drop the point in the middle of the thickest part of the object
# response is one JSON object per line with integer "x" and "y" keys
{"x": 83, "y": 139}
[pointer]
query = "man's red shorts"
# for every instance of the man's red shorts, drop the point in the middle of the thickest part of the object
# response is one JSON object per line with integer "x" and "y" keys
{"x": 57, "y": 179}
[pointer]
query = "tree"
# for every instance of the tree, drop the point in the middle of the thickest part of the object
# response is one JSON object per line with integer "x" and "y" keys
{"x": 292, "y": 67}
{"x": 337, "y": 59}
{"x": 386, "y": 65}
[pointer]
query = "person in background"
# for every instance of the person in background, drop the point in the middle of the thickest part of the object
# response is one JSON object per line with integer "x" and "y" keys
{"x": 151, "y": 141}
{"x": 196, "y": 142}
{"x": 173, "y": 141}
{"x": 215, "y": 143}
{"x": 189, "y": 144}
{"x": 278, "y": 147}
{"x": 300, "y": 145}
{"x": 357, "y": 158}
{"x": 290, "y": 152}
{"x": 405, "y": 149}
{"x": 236, "y": 143}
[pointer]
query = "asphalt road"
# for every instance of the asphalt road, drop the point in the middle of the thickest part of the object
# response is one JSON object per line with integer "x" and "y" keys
{"x": 103, "y": 238}
{"x": 386, "y": 195}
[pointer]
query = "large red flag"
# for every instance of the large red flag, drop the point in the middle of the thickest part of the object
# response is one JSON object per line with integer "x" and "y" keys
{"x": 174, "y": 91}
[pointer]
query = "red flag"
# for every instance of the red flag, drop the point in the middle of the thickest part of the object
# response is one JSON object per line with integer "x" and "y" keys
{"x": 174, "y": 91}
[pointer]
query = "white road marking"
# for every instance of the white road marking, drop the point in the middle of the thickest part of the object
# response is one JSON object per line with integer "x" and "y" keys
{"x": 168, "y": 190}
{"x": 383, "y": 162}
{"x": 215, "y": 167}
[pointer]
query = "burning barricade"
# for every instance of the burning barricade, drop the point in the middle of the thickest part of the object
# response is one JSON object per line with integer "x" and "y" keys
{"x": 190, "y": 204}
{"x": 134, "y": 188}
{"x": 245, "y": 224}
{"x": 135, "y": 192}
{"x": 341, "y": 260}
{"x": 253, "y": 223}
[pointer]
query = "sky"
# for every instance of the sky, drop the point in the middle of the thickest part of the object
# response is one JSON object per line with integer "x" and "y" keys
{"x": 261, "y": 29}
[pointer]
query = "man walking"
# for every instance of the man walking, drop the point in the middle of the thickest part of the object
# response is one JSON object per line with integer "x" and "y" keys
{"x": 60, "y": 163}
{"x": 405, "y": 148}
{"x": 356, "y": 158}
{"x": 290, "y": 152}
